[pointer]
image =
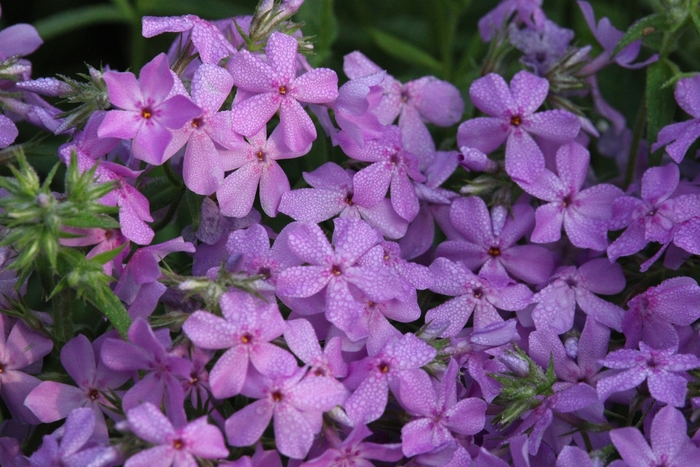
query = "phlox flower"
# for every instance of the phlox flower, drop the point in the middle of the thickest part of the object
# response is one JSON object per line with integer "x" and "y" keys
{"x": 266, "y": 86}
{"x": 174, "y": 445}
{"x": 512, "y": 118}
{"x": 147, "y": 115}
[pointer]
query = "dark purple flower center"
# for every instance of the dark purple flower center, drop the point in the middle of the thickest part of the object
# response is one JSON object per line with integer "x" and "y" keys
{"x": 193, "y": 380}
{"x": 516, "y": 120}
{"x": 336, "y": 270}
{"x": 93, "y": 394}
{"x": 178, "y": 444}
{"x": 2, "y": 368}
{"x": 566, "y": 201}
{"x": 147, "y": 113}
{"x": 319, "y": 372}
{"x": 246, "y": 338}
{"x": 478, "y": 292}
{"x": 283, "y": 90}
{"x": 260, "y": 155}
{"x": 383, "y": 367}
{"x": 348, "y": 199}
{"x": 197, "y": 122}
{"x": 494, "y": 251}
{"x": 277, "y": 396}
{"x": 571, "y": 282}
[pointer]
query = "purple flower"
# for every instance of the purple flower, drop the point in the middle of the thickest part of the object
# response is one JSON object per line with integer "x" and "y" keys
{"x": 264, "y": 87}
{"x": 512, "y": 118}
{"x": 391, "y": 166}
{"x": 656, "y": 217}
{"x": 173, "y": 446}
{"x": 489, "y": 242}
{"x": 681, "y": 135}
{"x": 19, "y": 40}
{"x": 438, "y": 416}
{"x": 584, "y": 213}
{"x": 164, "y": 372}
{"x": 148, "y": 116}
{"x": 256, "y": 163}
{"x": 248, "y": 326}
{"x": 209, "y": 42}
{"x": 51, "y": 401}
{"x": 608, "y": 36}
{"x": 577, "y": 359}
{"x": 566, "y": 399}
{"x": 8, "y": 132}
{"x": 660, "y": 369}
{"x": 556, "y": 303}
{"x": 353, "y": 452}
{"x": 541, "y": 48}
{"x": 396, "y": 366}
{"x": 652, "y": 314}
{"x": 296, "y": 402}
{"x": 332, "y": 194}
{"x": 138, "y": 285}
{"x": 474, "y": 294}
{"x": 20, "y": 347}
{"x": 527, "y": 12}
{"x": 72, "y": 445}
{"x": 336, "y": 270}
{"x": 670, "y": 444}
{"x": 208, "y": 136}
{"x": 301, "y": 339}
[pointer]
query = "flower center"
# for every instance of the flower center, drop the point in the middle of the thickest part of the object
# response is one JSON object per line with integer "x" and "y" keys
{"x": 319, "y": 372}
{"x": 197, "y": 122}
{"x": 383, "y": 367}
{"x": 93, "y": 394}
{"x": 146, "y": 113}
{"x": 283, "y": 90}
{"x": 478, "y": 292}
{"x": 261, "y": 156}
{"x": 348, "y": 200}
{"x": 193, "y": 380}
{"x": 178, "y": 444}
{"x": 336, "y": 270}
{"x": 246, "y": 338}
{"x": 566, "y": 201}
{"x": 516, "y": 120}
{"x": 277, "y": 396}
{"x": 494, "y": 251}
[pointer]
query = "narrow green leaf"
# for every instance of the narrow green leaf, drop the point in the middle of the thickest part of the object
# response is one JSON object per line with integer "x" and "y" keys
{"x": 70, "y": 20}
{"x": 659, "y": 102}
{"x": 107, "y": 302}
{"x": 91, "y": 221}
{"x": 643, "y": 27}
{"x": 104, "y": 258}
{"x": 194, "y": 204}
{"x": 404, "y": 51}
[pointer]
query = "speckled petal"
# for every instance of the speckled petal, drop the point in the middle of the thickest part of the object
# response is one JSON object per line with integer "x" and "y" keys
{"x": 273, "y": 184}
{"x": 281, "y": 53}
{"x": 310, "y": 244}
{"x": 254, "y": 417}
{"x": 237, "y": 192}
{"x": 252, "y": 74}
{"x": 668, "y": 387}
{"x": 483, "y": 133}
{"x": 492, "y": 96}
{"x": 124, "y": 90}
{"x": 529, "y": 92}
{"x": 524, "y": 159}
{"x": 558, "y": 126}
{"x": 548, "y": 221}
{"x": 250, "y": 116}
{"x": 296, "y": 126}
{"x": 530, "y": 263}
{"x": 687, "y": 94}
{"x": 209, "y": 331}
{"x": 632, "y": 446}
{"x": 211, "y": 86}
{"x": 668, "y": 433}
{"x": 371, "y": 184}
{"x": 202, "y": 169}
{"x": 229, "y": 373}
{"x": 318, "y": 86}
{"x": 619, "y": 382}
{"x": 368, "y": 401}
{"x": 312, "y": 205}
{"x": 302, "y": 281}
{"x": 149, "y": 423}
{"x": 456, "y": 312}
{"x": 403, "y": 197}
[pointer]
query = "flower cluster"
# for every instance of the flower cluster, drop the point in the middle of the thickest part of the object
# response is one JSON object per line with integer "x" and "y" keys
{"x": 395, "y": 317}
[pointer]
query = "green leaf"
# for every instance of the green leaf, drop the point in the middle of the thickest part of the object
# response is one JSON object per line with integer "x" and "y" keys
{"x": 659, "y": 102}
{"x": 77, "y": 18}
{"x": 90, "y": 221}
{"x": 107, "y": 256}
{"x": 194, "y": 204}
{"x": 321, "y": 23}
{"x": 643, "y": 27}
{"x": 404, "y": 51}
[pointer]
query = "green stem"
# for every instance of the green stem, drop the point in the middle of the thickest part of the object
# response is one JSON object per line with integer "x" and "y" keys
{"x": 636, "y": 141}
